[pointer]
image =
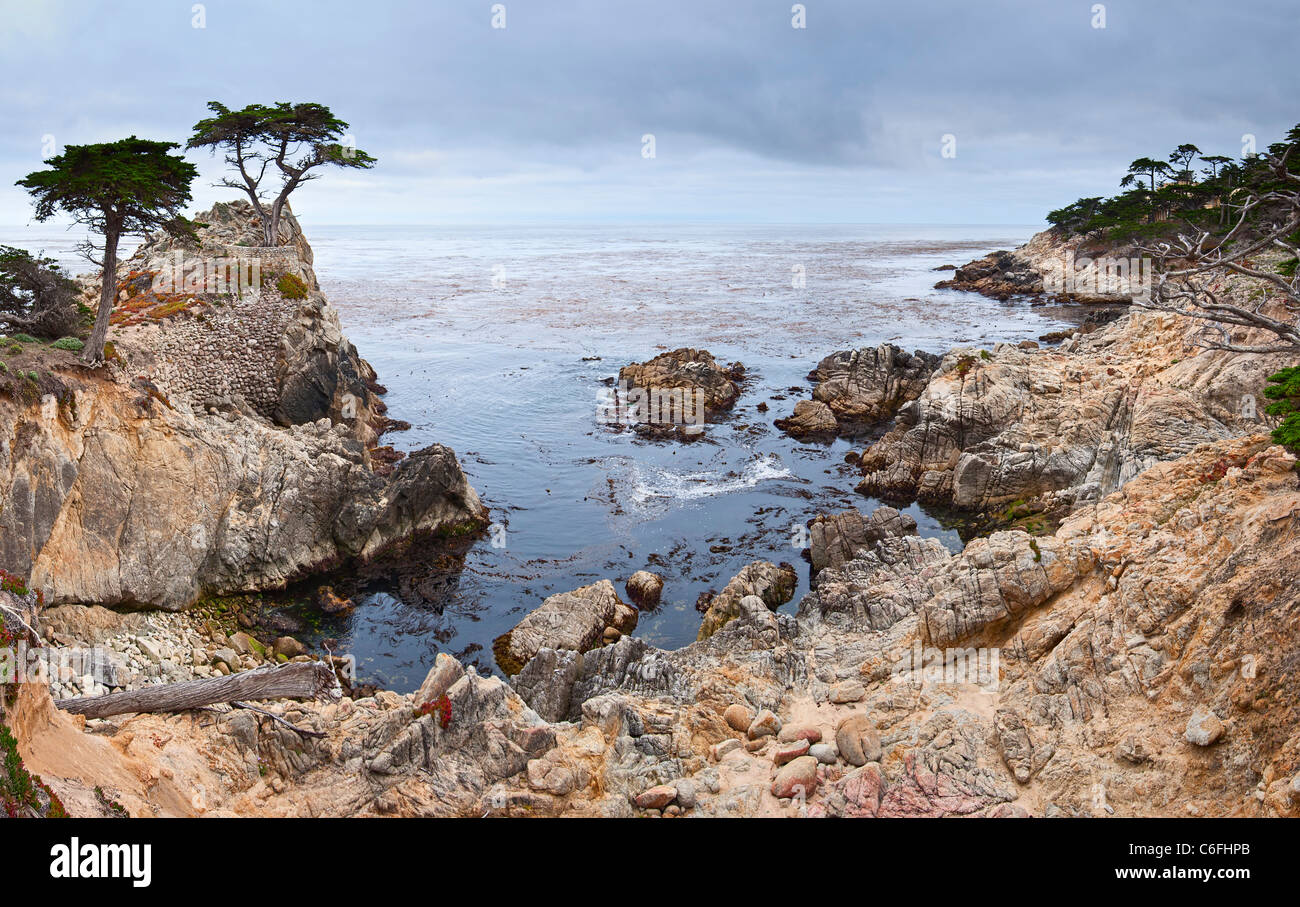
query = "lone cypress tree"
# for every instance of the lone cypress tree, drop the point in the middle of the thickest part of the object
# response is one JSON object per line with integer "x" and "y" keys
{"x": 128, "y": 187}
{"x": 296, "y": 138}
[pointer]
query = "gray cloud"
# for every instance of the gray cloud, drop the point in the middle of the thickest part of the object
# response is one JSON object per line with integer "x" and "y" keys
{"x": 753, "y": 119}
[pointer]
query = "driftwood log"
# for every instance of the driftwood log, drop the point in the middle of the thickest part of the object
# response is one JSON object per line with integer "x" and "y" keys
{"x": 299, "y": 680}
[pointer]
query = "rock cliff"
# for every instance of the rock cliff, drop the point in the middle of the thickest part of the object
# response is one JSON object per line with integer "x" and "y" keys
{"x": 227, "y": 446}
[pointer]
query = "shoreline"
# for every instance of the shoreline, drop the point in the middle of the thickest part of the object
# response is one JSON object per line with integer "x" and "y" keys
{"x": 636, "y": 730}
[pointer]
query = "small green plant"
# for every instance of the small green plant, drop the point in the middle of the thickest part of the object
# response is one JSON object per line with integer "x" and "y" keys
{"x": 985, "y": 355}
{"x": 1284, "y": 391}
{"x": 24, "y": 338}
{"x": 1033, "y": 546}
{"x": 115, "y": 809}
{"x": 22, "y": 793}
{"x": 68, "y": 343}
{"x": 291, "y": 286}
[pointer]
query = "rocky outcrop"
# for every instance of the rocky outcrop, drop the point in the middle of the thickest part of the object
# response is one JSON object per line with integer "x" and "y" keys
{"x": 811, "y": 420}
{"x": 834, "y": 540}
{"x": 123, "y": 489}
{"x": 1135, "y": 663}
{"x": 1052, "y": 265}
{"x": 771, "y": 583}
{"x": 645, "y": 588}
{"x": 1033, "y": 431}
{"x": 223, "y": 323}
{"x": 576, "y": 621}
{"x": 1000, "y": 275}
{"x": 674, "y": 393}
{"x": 113, "y": 504}
{"x": 858, "y": 389}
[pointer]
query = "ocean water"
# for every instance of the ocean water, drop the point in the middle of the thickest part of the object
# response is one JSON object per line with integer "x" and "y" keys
{"x": 498, "y": 341}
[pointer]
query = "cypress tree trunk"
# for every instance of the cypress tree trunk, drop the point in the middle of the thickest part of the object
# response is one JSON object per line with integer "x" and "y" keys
{"x": 94, "y": 352}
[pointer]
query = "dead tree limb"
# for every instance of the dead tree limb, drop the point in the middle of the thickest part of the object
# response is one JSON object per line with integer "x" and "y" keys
{"x": 301, "y": 731}
{"x": 298, "y": 680}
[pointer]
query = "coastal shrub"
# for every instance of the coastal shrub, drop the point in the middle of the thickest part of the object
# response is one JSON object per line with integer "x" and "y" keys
{"x": 440, "y": 707}
{"x": 24, "y": 338}
{"x": 36, "y": 296}
{"x": 68, "y": 343}
{"x": 291, "y": 286}
{"x": 1284, "y": 391}
{"x": 22, "y": 793}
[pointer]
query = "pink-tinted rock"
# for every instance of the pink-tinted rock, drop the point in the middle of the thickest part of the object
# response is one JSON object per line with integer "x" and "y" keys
{"x": 786, "y": 752}
{"x": 796, "y": 777}
{"x": 656, "y": 797}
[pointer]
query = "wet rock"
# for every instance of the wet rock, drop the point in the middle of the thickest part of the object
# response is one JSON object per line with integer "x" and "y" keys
{"x": 773, "y": 584}
{"x": 644, "y": 588}
{"x": 568, "y": 620}
{"x": 329, "y": 602}
{"x": 811, "y": 419}
{"x": 678, "y": 389}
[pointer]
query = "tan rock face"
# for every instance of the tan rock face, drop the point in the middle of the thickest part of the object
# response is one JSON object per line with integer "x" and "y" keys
{"x": 128, "y": 491}
{"x": 773, "y": 584}
{"x": 574, "y": 621}
{"x": 1045, "y": 430}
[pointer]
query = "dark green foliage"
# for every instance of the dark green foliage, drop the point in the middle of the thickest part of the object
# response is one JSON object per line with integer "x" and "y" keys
{"x": 1284, "y": 391}
{"x": 1164, "y": 198}
{"x": 36, "y": 296}
{"x": 291, "y": 286}
{"x": 295, "y": 139}
{"x": 128, "y": 187}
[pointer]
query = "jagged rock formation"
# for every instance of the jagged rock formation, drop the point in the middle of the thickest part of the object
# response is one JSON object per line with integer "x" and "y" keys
{"x": 577, "y": 620}
{"x": 226, "y": 324}
{"x": 1155, "y": 616}
{"x": 1061, "y": 267}
{"x": 675, "y": 393}
{"x": 836, "y": 539}
{"x": 121, "y": 490}
{"x": 771, "y": 583}
{"x": 1044, "y": 430}
{"x": 859, "y": 389}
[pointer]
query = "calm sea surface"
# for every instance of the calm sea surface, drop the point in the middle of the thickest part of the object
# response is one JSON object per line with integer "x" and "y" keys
{"x": 497, "y": 342}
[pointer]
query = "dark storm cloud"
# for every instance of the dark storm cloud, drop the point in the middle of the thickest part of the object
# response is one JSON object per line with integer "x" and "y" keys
{"x": 546, "y": 115}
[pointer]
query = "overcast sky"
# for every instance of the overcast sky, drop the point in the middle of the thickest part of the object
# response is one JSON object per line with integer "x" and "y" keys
{"x": 753, "y": 120}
